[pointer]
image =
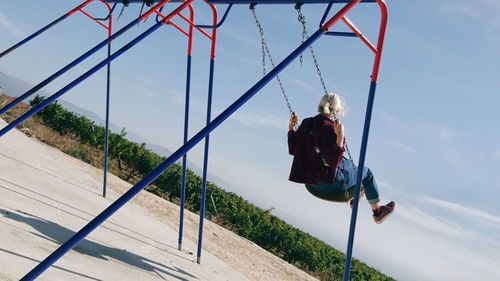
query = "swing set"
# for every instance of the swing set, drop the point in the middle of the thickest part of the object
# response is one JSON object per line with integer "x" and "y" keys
{"x": 155, "y": 7}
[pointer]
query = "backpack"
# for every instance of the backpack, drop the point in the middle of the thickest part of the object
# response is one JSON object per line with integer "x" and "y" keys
{"x": 308, "y": 134}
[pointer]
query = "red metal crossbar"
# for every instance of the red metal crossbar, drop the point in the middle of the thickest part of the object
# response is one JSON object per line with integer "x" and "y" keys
{"x": 380, "y": 43}
{"x": 192, "y": 25}
{"x": 359, "y": 34}
{"x": 108, "y": 27}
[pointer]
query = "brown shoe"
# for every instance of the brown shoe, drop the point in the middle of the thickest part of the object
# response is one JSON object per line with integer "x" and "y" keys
{"x": 384, "y": 212}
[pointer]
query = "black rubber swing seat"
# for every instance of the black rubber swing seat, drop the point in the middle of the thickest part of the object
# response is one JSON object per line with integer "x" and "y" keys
{"x": 339, "y": 197}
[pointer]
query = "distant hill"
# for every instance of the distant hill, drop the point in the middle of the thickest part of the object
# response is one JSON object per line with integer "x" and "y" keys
{"x": 14, "y": 86}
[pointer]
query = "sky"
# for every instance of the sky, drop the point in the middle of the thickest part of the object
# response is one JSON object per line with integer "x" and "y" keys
{"x": 434, "y": 144}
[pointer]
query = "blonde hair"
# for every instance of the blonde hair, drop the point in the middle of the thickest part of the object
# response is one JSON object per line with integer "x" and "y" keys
{"x": 332, "y": 105}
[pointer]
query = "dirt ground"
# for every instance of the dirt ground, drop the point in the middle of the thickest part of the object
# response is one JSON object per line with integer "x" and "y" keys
{"x": 46, "y": 195}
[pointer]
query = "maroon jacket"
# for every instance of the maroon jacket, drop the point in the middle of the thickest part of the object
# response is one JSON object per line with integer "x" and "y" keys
{"x": 307, "y": 166}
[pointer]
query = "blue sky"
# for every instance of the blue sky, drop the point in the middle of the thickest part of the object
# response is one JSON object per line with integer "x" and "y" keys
{"x": 434, "y": 144}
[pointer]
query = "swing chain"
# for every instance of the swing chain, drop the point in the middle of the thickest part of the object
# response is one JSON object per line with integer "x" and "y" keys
{"x": 302, "y": 19}
{"x": 121, "y": 11}
{"x": 142, "y": 10}
{"x": 266, "y": 51}
{"x": 348, "y": 153}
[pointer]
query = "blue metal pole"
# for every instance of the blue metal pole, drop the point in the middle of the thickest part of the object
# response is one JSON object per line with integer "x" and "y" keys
{"x": 205, "y": 162}
{"x": 77, "y": 81}
{"x": 25, "y": 40}
{"x": 184, "y": 158}
{"x": 106, "y": 137}
{"x": 149, "y": 178}
{"x": 67, "y": 67}
{"x": 361, "y": 165}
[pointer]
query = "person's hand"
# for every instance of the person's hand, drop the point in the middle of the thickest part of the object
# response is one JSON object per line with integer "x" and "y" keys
{"x": 293, "y": 121}
{"x": 338, "y": 127}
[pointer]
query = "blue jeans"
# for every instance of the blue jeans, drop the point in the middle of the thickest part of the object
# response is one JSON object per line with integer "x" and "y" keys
{"x": 345, "y": 180}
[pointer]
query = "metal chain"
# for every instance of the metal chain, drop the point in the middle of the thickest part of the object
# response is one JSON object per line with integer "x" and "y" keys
{"x": 266, "y": 51}
{"x": 142, "y": 9}
{"x": 305, "y": 35}
{"x": 302, "y": 20}
{"x": 121, "y": 12}
{"x": 349, "y": 153}
{"x": 149, "y": 4}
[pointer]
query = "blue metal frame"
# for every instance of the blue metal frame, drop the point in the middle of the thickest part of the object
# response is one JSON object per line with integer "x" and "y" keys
{"x": 205, "y": 161}
{"x": 204, "y": 133}
{"x": 65, "y": 69}
{"x": 359, "y": 177}
{"x": 184, "y": 157}
{"x": 106, "y": 137}
{"x": 334, "y": 33}
{"x": 103, "y": 216}
{"x": 223, "y": 19}
{"x": 341, "y": 34}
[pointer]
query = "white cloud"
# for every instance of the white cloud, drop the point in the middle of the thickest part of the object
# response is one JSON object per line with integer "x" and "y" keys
{"x": 463, "y": 211}
{"x": 398, "y": 123}
{"x": 455, "y": 157}
{"x": 385, "y": 185}
{"x": 179, "y": 97}
{"x": 147, "y": 93}
{"x": 280, "y": 145}
{"x": 430, "y": 222}
{"x": 147, "y": 80}
{"x": 405, "y": 147}
{"x": 304, "y": 85}
{"x": 497, "y": 154}
{"x": 11, "y": 27}
{"x": 228, "y": 31}
{"x": 485, "y": 11}
{"x": 259, "y": 118}
{"x": 245, "y": 59}
{"x": 446, "y": 133}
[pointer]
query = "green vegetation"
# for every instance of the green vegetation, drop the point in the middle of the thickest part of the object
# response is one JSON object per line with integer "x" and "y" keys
{"x": 133, "y": 161}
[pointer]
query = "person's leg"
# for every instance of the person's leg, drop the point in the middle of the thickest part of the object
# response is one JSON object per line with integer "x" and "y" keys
{"x": 367, "y": 180}
{"x": 371, "y": 189}
{"x": 380, "y": 213}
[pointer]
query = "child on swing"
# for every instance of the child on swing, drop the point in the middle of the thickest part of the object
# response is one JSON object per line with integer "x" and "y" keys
{"x": 318, "y": 147}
